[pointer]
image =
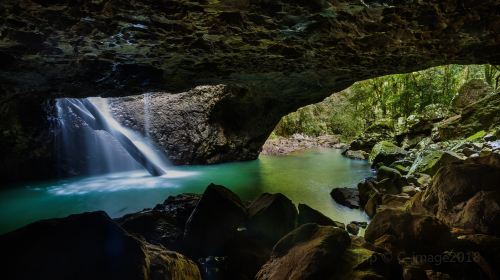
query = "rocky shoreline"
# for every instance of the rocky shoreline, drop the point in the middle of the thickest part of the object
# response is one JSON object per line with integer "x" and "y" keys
{"x": 278, "y": 146}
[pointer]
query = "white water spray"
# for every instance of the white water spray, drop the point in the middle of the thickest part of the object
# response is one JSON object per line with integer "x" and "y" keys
{"x": 88, "y": 131}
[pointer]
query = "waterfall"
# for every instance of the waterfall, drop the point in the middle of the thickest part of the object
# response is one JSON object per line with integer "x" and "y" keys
{"x": 90, "y": 141}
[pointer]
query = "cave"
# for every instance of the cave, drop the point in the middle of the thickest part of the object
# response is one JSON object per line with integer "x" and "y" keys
{"x": 179, "y": 88}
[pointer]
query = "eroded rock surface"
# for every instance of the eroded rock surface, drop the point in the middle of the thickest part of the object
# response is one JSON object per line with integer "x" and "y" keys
{"x": 285, "y": 54}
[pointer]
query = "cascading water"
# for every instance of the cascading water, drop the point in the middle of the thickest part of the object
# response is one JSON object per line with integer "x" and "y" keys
{"x": 90, "y": 141}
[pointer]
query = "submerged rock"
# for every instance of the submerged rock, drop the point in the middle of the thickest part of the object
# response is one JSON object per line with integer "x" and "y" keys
{"x": 346, "y": 196}
{"x": 87, "y": 246}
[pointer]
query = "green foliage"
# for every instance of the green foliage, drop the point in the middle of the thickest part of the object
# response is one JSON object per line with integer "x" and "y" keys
{"x": 350, "y": 112}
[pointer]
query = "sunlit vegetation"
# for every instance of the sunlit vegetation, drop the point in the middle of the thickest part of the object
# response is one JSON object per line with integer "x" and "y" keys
{"x": 393, "y": 98}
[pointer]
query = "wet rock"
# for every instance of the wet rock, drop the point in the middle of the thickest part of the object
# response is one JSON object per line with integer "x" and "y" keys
{"x": 352, "y": 228}
{"x": 386, "y": 153}
{"x": 346, "y": 196}
{"x": 306, "y": 253}
{"x": 214, "y": 222}
{"x": 310, "y": 215}
{"x": 87, "y": 246}
{"x": 271, "y": 216}
{"x": 409, "y": 233}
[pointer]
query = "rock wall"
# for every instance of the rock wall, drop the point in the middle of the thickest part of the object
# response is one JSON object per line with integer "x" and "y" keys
{"x": 207, "y": 124}
{"x": 283, "y": 54}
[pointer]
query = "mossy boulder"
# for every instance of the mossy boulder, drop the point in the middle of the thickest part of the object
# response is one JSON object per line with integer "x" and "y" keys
{"x": 386, "y": 152}
{"x": 379, "y": 131}
{"x": 481, "y": 115}
{"x": 470, "y": 92}
{"x": 429, "y": 162}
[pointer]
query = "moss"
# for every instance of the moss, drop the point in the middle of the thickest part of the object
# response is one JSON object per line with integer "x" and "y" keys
{"x": 477, "y": 135}
{"x": 430, "y": 162}
{"x": 384, "y": 147}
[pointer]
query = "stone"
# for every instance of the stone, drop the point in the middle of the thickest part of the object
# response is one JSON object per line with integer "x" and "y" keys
{"x": 480, "y": 115}
{"x": 214, "y": 222}
{"x": 179, "y": 207}
{"x": 310, "y": 215}
{"x": 470, "y": 92}
{"x": 379, "y": 131}
{"x": 392, "y": 174}
{"x": 386, "y": 153}
{"x": 87, "y": 246}
{"x": 466, "y": 196}
{"x": 366, "y": 190}
{"x": 409, "y": 233}
{"x": 429, "y": 162}
{"x": 271, "y": 216}
{"x": 308, "y": 252}
{"x": 154, "y": 227}
{"x": 352, "y": 228}
{"x": 359, "y": 154}
{"x": 346, "y": 196}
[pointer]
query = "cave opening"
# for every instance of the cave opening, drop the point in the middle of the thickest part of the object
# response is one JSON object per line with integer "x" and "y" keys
{"x": 169, "y": 139}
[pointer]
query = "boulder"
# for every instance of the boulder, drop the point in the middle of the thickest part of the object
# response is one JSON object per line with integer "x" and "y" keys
{"x": 483, "y": 114}
{"x": 406, "y": 232}
{"x": 308, "y": 252}
{"x": 346, "y": 196}
{"x": 155, "y": 227}
{"x": 466, "y": 196}
{"x": 366, "y": 190}
{"x": 357, "y": 154}
{"x": 469, "y": 93}
{"x": 271, "y": 216}
{"x": 379, "y": 131}
{"x": 179, "y": 207}
{"x": 352, "y": 228}
{"x": 429, "y": 162}
{"x": 87, "y": 246}
{"x": 386, "y": 153}
{"x": 310, "y": 215}
{"x": 393, "y": 175}
{"x": 214, "y": 223}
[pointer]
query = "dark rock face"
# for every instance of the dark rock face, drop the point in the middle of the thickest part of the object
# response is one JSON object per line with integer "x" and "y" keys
{"x": 214, "y": 223}
{"x": 402, "y": 231}
{"x": 87, "y": 246}
{"x": 310, "y": 215}
{"x": 271, "y": 216}
{"x": 346, "y": 196}
{"x": 285, "y": 54}
{"x": 466, "y": 196}
{"x": 306, "y": 253}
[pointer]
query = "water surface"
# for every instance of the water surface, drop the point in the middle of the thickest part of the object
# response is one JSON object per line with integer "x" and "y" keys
{"x": 305, "y": 177}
